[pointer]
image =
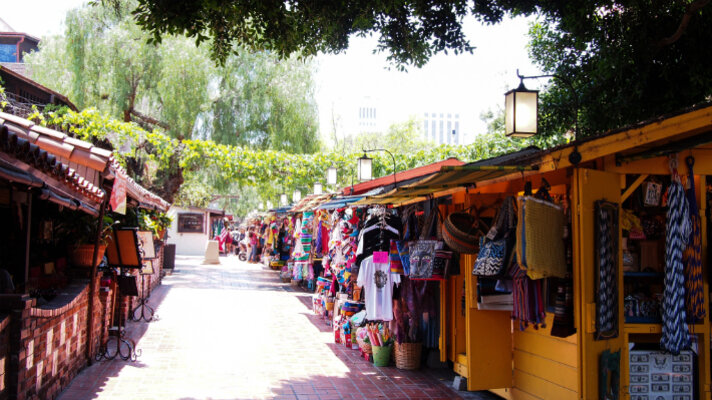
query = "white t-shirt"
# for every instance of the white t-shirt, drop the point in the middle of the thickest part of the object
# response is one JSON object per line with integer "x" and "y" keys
{"x": 377, "y": 280}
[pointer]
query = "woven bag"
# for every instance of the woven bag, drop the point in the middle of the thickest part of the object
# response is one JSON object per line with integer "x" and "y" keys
{"x": 459, "y": 232}
{"x": 540, "y": 237}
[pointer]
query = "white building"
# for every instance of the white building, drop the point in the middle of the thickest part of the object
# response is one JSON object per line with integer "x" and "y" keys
{"x": 442, "y": 128}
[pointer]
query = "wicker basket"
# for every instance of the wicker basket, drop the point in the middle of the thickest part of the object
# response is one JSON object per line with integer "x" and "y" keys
{"x": 458, "y": 233}
{"x": 81, "y": 255}
{"x": 330, "y": 306}
{"x": 408, "y": 355}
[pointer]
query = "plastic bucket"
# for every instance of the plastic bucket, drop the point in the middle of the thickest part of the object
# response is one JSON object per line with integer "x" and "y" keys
{"x": 381, "y": 355}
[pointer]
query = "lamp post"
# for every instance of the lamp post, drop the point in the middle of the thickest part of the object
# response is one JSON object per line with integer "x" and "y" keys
{"x": 318, "y": 188}
{"x": 365, "y": 168}
{"x": 521, "y": 108}
{"x": 367, "y": 165}
{"x": 331, "y": 175}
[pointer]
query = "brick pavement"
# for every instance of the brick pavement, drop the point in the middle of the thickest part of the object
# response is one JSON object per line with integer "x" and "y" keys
{"x": 234, "y": 331}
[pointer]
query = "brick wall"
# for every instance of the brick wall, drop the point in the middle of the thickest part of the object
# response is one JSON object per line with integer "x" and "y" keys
{"x": 43, "y": 348}
{"x": 53, "y": 348}
{"x": 4, "y": 355}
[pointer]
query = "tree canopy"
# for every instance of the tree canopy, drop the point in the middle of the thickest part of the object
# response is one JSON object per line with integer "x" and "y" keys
{"x": 627, "y": 60}
{"x": 105, "y": 60}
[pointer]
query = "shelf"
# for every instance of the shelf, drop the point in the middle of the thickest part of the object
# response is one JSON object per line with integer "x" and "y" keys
{"x": 642, "y": 274}
{"x": 655, "y": 328}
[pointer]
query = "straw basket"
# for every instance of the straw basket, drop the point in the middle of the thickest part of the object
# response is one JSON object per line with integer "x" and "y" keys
{"x": 458, "y": 233}
{"x": 330, "y": 306}
{"x": 365, "y": 347}
{"x": 408, "y": 355}
{"x": 81, "y": 255}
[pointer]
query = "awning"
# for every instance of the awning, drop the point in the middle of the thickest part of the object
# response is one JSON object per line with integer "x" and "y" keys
{"x": 449, "y": 177}
{"x": 339, "y": 202}
{"x": 311, "y": 202}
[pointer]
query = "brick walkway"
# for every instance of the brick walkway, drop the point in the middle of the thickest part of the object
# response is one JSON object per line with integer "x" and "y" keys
{"x": 234, "y": 331}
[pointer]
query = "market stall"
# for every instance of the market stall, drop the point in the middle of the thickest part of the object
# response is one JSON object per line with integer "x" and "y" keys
{"x": 608, "y": 277}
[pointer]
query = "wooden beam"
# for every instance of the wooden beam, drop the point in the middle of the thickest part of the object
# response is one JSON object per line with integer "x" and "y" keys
{"x": 638, "y": 181}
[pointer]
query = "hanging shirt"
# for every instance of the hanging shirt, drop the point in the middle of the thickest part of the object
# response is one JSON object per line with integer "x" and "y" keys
{"x": 377, "y": 280}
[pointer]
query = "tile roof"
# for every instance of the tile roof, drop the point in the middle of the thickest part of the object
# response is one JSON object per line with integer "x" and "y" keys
{"x": 83, "y": 153}
{"x": 41, "y": 160}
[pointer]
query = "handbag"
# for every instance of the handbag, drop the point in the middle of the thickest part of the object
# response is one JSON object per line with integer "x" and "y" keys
{"x": 491, "y": 258}
{"x": 496, "y": 246}
{"x": 422, "y": 257}
{"x": 446, "y": 264}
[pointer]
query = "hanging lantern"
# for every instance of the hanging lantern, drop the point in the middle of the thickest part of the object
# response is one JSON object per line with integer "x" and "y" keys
{"x": 296, "y": 196}
{"x": 261, "y": 206}
{"x": 318, "y": 188}
{"x": 269, "y": 205}
{"x": 331, "y": 175}
{"x": 283, "y": 199}
{"x": 364, "y": 168}
{"x": 520, "y": 112}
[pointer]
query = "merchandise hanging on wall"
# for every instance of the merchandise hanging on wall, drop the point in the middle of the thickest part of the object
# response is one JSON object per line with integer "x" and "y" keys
{"x": 607, "y": 234}
{"x": 675, "y": 334}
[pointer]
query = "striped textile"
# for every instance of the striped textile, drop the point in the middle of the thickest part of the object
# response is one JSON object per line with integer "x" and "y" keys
{"x": 675, "y": 336}
{"x": 607, "y": 304}
{"x": 692, "y": 256}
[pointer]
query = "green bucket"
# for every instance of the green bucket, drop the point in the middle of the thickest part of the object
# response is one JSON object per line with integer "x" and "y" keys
{"x": 381, "y": 355}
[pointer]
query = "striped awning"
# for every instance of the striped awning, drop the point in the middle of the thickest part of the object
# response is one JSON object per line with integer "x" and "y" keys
{"x": 449, "y": 177}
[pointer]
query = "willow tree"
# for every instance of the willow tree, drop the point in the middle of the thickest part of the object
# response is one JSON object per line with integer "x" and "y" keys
{"x": 105, "y": 60}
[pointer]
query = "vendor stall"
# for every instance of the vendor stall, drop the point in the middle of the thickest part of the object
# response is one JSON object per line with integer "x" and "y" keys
{"x": 607, "y": 268}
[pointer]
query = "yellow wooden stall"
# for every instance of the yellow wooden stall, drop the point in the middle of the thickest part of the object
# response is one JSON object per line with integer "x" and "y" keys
{"x": 484, "y": 345}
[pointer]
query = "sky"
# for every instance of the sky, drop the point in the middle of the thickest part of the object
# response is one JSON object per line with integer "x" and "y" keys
{"x": 465, "y": 84}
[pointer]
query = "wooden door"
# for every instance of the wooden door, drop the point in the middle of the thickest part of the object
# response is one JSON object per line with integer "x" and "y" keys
{"x": 589, "y": 187}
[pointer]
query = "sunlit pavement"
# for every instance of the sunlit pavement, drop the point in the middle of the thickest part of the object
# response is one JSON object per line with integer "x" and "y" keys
{"x": 235, "y": 331}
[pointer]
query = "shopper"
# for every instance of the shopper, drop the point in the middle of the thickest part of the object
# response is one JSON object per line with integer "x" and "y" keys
{"x": 254, "y": 244}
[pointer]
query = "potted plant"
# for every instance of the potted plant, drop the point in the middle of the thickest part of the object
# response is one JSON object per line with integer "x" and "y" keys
{"x": 154, "y": 221}
{"x": 81, "y": 232}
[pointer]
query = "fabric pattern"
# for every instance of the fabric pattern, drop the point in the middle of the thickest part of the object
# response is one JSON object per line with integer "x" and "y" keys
{"x": 607, "y": 302}
{"x": 491, "y": 257}
{"x": 675, "y": 336}
{"x": 692, "y": 256}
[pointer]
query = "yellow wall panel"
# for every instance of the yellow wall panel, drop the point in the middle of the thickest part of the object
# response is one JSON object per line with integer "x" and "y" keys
{"x": 542, "y": 367}
{"x": 548, "y": 347}
{"x": 540, "y": 388}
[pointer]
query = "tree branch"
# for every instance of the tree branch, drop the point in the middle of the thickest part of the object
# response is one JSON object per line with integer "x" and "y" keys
{"x": 691, "y": 9}
{"x": 149, "y": 120}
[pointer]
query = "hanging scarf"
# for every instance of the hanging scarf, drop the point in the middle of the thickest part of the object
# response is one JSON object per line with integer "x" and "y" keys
{"x": 607, "y": 304}
{"x": 692, "y": 256}
{"x": 528, "y": 304}
{"x": 675, "y": 336}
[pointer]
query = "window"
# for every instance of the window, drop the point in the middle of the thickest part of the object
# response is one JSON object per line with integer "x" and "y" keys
{"x": 8, "y": 53}
{"x": 434, "y": 131}
{"x": 442, "y": 132}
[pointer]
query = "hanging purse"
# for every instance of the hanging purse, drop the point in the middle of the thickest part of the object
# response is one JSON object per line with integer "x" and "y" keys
{"x": 496, "y": 246}
{"x": 422, "y": 256}
{"x": 491, "y": 257}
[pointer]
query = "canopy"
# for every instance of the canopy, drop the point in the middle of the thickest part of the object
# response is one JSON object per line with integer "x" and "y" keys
{"x": 449, "y": 177}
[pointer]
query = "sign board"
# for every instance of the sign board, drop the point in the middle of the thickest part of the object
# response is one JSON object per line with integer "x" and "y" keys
{"x": 147, "y": 247}
{"x": 191, "y": 223}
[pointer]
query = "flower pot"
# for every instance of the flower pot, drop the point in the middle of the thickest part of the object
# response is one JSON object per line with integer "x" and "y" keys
{"x": 81, "y": 255}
